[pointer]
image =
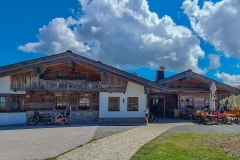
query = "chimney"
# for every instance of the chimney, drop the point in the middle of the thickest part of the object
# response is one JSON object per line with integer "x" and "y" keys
{"x": 134, "y": 73}
{"x": 160, "y": 73}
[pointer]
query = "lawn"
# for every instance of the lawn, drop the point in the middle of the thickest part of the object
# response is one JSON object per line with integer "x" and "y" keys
{"x": 189, "y": 146}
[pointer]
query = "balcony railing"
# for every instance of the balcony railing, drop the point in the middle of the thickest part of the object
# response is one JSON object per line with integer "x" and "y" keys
{"x": 58, "y": 85}
{"x": 37, "y": 84}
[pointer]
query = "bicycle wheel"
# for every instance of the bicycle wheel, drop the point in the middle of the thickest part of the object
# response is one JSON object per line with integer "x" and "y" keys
{"x": 45, "y": 121}
{"x": 32, "y": 121}
{"x": 51, "y": 120}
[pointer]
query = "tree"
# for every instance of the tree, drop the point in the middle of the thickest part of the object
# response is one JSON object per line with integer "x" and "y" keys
{"x": 226, "y": 102}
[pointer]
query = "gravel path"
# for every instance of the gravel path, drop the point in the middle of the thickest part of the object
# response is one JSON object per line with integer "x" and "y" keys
{"x": 104, "y": 131}
{"x": 40, "y": 142}
{"x": 120, "y": 146}
{"x": 221, "y": 129}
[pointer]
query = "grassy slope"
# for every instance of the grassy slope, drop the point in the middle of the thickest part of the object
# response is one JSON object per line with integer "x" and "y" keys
{"x": 222, "y": 102}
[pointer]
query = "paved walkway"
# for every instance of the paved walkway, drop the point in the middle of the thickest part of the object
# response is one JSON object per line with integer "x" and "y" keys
{"x": 121, "y": 146}
{"x": 40, "y": 142}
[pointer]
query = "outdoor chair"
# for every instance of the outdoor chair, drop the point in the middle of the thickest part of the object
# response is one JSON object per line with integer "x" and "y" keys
{"x": 205, "y": 119}
{"x": 225, "y": 118}
{"x": 196, "y": 116}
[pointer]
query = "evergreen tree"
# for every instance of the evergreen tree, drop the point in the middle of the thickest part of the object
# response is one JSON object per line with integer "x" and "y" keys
{"x": 226, "y": 102}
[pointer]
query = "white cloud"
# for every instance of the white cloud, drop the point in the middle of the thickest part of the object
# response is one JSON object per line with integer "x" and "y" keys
{"x": 214, "y": 61}
{"x": 217, "y": 23}
{"x": 56, "y": 37}
{"x": 237, "y": 65}
{"x": 122, "y": 33}
{"x": 94, "y": 29}
{"x": 233, "y": 80}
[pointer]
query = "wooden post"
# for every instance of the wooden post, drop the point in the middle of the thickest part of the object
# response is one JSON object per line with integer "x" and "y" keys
{"x": 179, "y": 100}
{"x": 8, "y": 103}
{"x": 164, "y": 107}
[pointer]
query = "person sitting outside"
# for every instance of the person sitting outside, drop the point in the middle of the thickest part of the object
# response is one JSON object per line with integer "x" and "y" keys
{"x": 234, "y": 111}
{"x": 202, "y": 110}
{"x": 197, "y": 114}
{"x": 198, "y": 111}
{"x": 187, "y": 114}
{"x": 208, "y": 110}
{"x": 222, "y": 111}
{"x": 217, "y": 116}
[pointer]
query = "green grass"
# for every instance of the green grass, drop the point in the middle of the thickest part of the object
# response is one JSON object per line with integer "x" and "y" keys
{"x": 186, "y": 146}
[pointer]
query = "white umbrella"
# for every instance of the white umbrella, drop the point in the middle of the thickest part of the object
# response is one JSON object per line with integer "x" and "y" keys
{"x": 233, "y": 101}
{"x": 213, "y": 89}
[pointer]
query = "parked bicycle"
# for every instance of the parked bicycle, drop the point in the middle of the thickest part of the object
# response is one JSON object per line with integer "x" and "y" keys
{"x": 152, "y": 118}
{"x": 40, "y": 118}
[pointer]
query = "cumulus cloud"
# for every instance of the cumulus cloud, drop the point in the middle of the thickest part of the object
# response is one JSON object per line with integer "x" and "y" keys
{"x": 218, "y": 23}
{"x": 56, "y": 37}
{"x": 214, "y": 61}
{"x": 233, "y": 80}
{"x": 122, "y": 33}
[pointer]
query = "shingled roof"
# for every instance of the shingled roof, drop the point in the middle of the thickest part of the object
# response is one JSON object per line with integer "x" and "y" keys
{"x": 190, "y": 74}
{"x": 69, "y": 55}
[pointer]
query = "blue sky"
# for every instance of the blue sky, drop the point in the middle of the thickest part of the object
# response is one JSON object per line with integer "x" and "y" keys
{"x": 135, "y": 36}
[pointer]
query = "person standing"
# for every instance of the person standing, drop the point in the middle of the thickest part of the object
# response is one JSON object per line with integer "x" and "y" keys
{"x": 146, "y": 114}
{"x": 68, "y": 113}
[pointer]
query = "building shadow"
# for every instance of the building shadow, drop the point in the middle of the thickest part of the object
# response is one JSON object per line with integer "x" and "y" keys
{"x": 40, "y": 126}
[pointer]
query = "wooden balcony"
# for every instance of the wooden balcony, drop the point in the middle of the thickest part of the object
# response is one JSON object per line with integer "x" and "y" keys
{"x": 57, "y": 85}
{"x": 68, "y": 85}
{"x": 29, "y": 82}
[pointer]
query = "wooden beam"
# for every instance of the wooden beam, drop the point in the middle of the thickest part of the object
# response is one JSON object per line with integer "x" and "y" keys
{"x": 70, "y": 64}
{"x": 147, "y": 90}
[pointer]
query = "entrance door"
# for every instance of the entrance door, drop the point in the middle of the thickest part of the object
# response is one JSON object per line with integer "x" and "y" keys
{"x": 161, "y": 107}
{"x": 154, "y": 106}
{"x": 157, "y": 107}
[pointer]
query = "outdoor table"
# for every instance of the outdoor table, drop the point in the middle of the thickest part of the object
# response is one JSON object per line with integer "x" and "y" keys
{"x": 211, "y": 116}
{"x": 237, "y": 115}
{"x": 232, "y": 116}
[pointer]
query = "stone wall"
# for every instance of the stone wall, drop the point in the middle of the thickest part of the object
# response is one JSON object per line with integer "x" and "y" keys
{"x": 121, "y": 120}
{"x": 81, "y": 116}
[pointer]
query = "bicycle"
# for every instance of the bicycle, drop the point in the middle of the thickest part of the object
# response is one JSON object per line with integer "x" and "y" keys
{"x": 152, "y": 118}
{"x": 40, "y": 118}
{"x": 61, "y": 118}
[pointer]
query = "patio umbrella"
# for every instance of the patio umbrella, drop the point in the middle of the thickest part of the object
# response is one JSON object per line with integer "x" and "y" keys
{"x": 213, "y": 89}
{"x": 233, "y": 103}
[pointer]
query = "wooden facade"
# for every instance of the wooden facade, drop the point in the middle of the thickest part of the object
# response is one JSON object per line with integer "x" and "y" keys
{"x": 43, "y": 85}
{"x": 77, "y": 79}
{"x": 61, "y": 77}
{"x": 186, "y": 89}
{"x": 69, "y": 76}
{"x": 42, "y": 100}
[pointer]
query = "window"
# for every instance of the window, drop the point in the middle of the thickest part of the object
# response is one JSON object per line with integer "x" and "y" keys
{"x": 84, "y": 103}
{"x": 113, "y": 104}
{"x": 61, "y": 103}
{"x": 16, "y": 103}
{"x": 2, "y": 104}
{"x": 61, "y": 74}
{"x": 155, "y": 102}
{"x": 189, "y": 103}
{"x": 132, "y": 104}
{"x": 84, "y": 75}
